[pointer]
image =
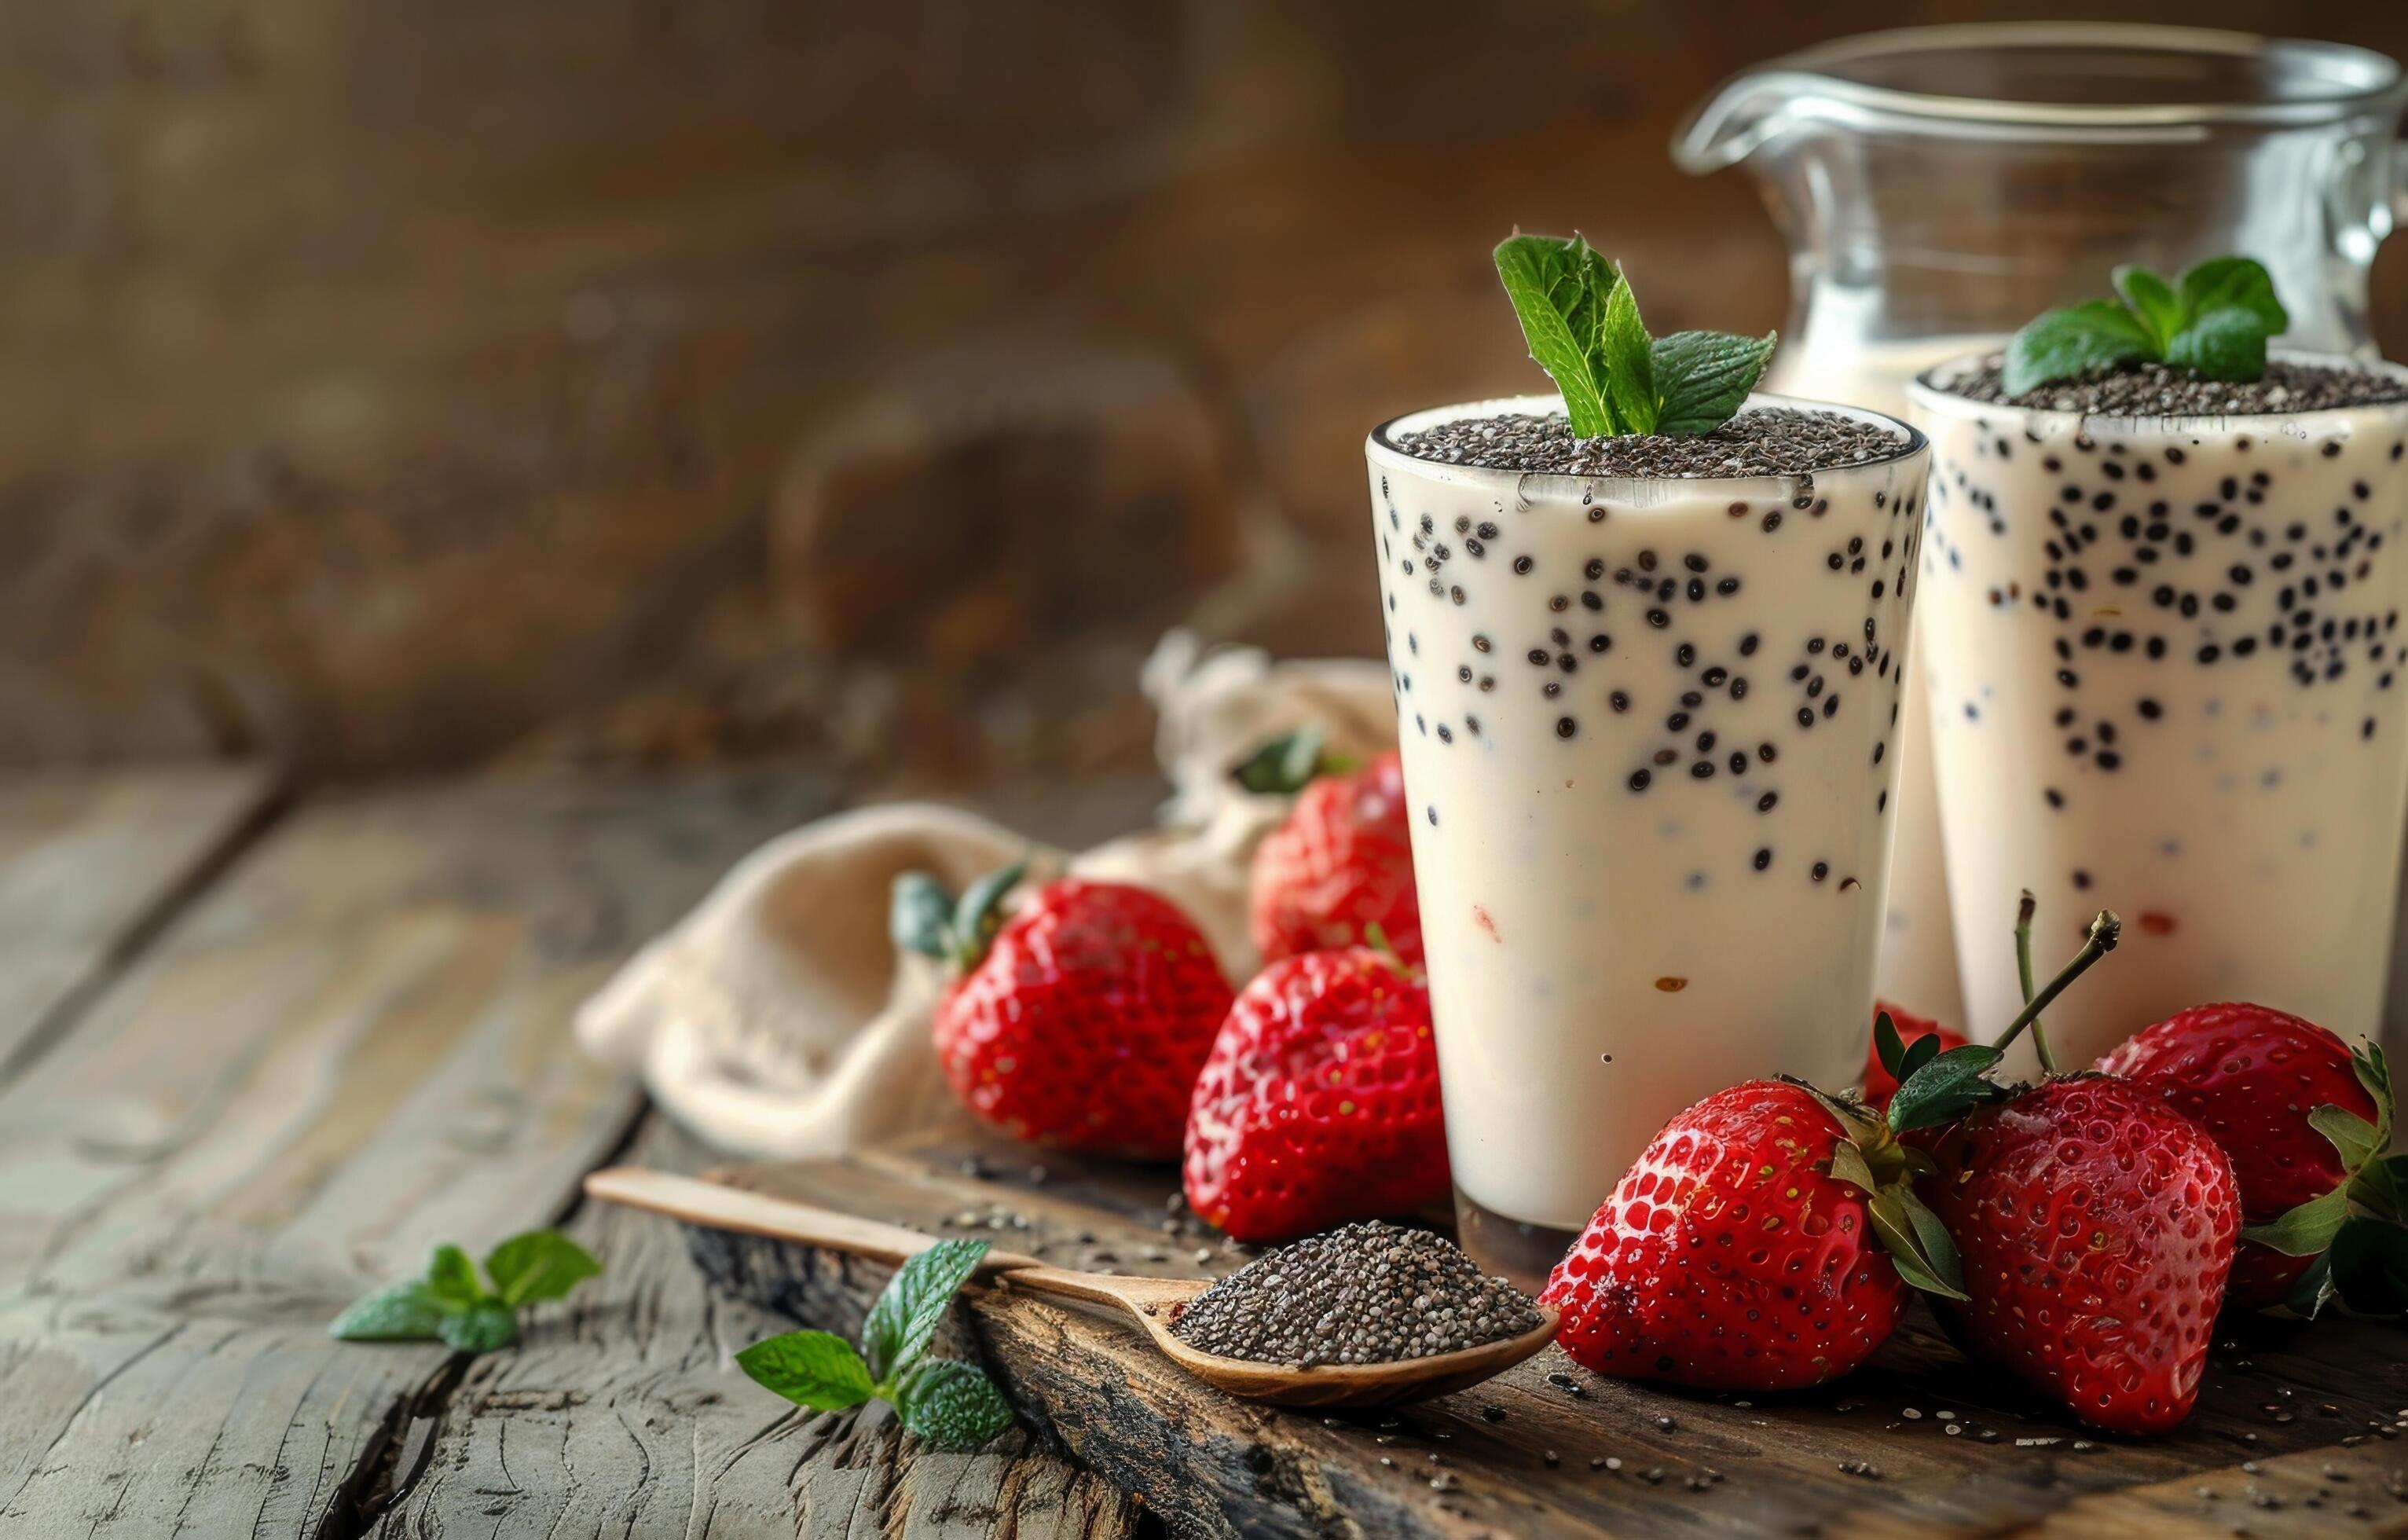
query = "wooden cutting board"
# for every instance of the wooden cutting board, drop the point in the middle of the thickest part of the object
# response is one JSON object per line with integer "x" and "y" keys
{"x": 2298, "y": 1431}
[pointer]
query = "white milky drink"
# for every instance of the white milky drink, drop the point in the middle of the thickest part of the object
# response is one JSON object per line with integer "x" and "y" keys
{"x": 1649, "y": 730}
{"x": 2165, "y": 672}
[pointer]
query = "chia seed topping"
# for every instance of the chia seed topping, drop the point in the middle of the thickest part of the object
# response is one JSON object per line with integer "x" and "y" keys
{"x": 1768, "y": 441}
{"x": 2153, "y": 390}
{"x": 1365, "y": 1294}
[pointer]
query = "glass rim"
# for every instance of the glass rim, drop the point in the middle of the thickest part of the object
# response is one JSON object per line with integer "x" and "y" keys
{"x": 2353, "y": 80}
{"x": 1381, "y": 448}
{"x": 1930, "y": 397}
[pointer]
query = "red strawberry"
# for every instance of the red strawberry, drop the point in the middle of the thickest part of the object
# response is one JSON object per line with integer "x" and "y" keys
{"x": 1320, "y": 1101}
{"x": 2097, "y": 1226}
{"x": 2255, "y": 1077}
{"x": 1341, "y": 863}
{"x": 1081, "y": 1021}
{"x": 1740, "y": 1252}
{"x": 1879, "y": 1083}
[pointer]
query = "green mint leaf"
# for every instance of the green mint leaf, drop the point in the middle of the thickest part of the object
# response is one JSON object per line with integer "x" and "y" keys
{"x": 1944, "y": 1089}
{"x": 1887, "y": 1044}
{"x": 953, "y": 1406}
{"x": 402, "y": 1312}
{"x": 2305, "y": 1231}
{"x": 2152, "y": 300}
{"x": 2222, "y": 344}
{"x": 815, "y": 1369}
{"x": 541, "y": 1264}
{"x": 451, "y": 1279}
{"x": 2233, "y": 282}
{"x": 484, "y": 1326}
{"x": 2069, "y": 343}
{"x": 980, "y": 913}
{"x": 1557, "y": 287}
{"x": 920, "y": 915}
{"x": 2370, "y": 1267}
{"x": 1285, "y": 764}
{"x": 1630, "y": 370}
{"x": 1704, "y": 377}
{"x": 905, "y": 1318}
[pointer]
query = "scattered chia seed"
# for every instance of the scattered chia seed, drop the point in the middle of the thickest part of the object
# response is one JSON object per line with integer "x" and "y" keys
{"x": 1768, "y": 442}
{"x": 2153, "y": 390}
{"x": 1365, "y": 1294}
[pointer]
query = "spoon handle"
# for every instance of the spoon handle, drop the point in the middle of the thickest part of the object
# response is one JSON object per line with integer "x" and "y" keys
{"x": 1132, "y": 1293}
{"x": 716, "y": 1206}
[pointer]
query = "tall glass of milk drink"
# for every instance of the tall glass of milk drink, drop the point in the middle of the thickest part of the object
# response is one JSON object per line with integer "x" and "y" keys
{"x": 2166, "y": 676}
{"x": 1648, "y": 692}
{"x": 1939, "y": 186}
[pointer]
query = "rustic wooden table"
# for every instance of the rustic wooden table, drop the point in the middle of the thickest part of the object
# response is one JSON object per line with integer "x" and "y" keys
{"x": 259, "y": 1054}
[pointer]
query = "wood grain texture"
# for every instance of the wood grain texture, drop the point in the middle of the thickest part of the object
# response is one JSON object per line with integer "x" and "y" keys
{"x": 629, "y": 1417}
{"x": 353, "y": 1047}
{"x": 87, "y": 861}
{"x": 2284, "y": 1398}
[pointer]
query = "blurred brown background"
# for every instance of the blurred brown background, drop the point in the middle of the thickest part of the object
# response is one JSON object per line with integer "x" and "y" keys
{"x": 398, "y": 386}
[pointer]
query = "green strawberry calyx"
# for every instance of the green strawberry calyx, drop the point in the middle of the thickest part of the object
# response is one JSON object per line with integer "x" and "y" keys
{"x": 1869, "y": 1156}
{"x": 1936, "y": 1088}
{"x": 1285, "y": 765}
{"x": 923, "y": 917}
{"x": 2358, "y": 1232}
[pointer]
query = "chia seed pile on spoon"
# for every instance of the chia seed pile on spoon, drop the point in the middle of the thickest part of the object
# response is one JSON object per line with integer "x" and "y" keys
{"x": 1366, "y": 1293}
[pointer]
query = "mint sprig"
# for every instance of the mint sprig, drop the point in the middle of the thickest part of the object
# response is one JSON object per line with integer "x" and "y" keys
{"x": 1581, "y": 318}
{"x": 451, "y": 1304}
{"x": 947, "y": 1402}
{"x": 2215, "y": 322}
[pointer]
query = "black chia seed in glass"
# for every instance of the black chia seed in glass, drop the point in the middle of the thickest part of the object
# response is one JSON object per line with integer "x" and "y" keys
{"x": 1766, "y": 441}
{"x": 1364, "y": 1293}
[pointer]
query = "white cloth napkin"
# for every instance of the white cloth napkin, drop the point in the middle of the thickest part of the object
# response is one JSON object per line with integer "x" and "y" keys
{"x": 778, "y": 1021}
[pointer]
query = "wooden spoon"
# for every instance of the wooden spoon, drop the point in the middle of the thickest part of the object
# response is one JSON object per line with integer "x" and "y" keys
{"x": 1154, "y": 1303}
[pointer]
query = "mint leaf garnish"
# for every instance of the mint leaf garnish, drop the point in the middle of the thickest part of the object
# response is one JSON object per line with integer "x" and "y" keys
{"x": 451, "y": 1278}
{"x": 2152, "y": 301}
{"x": 2216, "y": 322}
{"x": 1581, "y": 317}
{"x": 402, "y": 1312}
{"x": 481, "y": 1327}
{"x": 1704, "y": 377}
{"x": 1629, "y": 370}
{"x": 2223, "y": 344}
{"x": 541, "y": 1264}
{"x": 907, "y": 1315}
{"x": 1555, "y": 293}
{"x": 948, "y": 1402}
{"x": 815, "y": 1369}
{"x": 2068, "y": 343}
{"x": 953, "y": 1405}
{"x": 2234, "y": 282}
{"x": 451, "y": 1304}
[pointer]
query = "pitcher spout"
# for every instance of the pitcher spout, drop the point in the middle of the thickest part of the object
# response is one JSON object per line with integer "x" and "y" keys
{"x": 1748, "y": 112}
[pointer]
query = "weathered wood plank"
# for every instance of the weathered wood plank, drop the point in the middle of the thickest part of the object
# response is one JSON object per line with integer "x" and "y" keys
{"x": 629, "y": 1417}
{"x": 355, "y": 1047}
{"x": 2284, "y": 1399}
{"x": 87, "y": 863}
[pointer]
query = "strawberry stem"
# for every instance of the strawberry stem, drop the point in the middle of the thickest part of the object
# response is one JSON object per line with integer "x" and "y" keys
{"x": 2104, "y": 932}
{"x": 2024, "y": 912}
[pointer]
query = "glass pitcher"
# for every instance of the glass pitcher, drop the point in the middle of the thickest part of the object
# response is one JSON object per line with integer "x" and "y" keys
{"x": 1940, "y": 186}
